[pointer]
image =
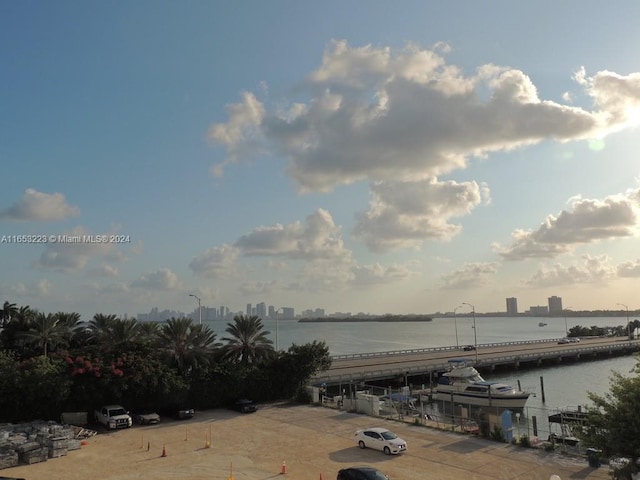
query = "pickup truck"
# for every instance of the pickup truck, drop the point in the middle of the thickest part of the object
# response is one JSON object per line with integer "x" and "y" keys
{"x": 113, "y": 416}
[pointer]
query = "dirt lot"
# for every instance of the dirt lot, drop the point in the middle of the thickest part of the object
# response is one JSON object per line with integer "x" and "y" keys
{"x": 312, "y": 441}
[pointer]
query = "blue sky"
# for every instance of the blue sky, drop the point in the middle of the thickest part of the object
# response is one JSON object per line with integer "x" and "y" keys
{"x": 351, "y": 156}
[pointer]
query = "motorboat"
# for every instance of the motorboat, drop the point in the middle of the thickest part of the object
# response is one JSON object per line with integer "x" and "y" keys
{"x": 542, "y": 324}
{"x": 464, "y": 385}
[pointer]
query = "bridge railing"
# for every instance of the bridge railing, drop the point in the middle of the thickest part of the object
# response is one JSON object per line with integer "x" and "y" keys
{"x": 352, "y": 356}
{"x": 439, "y": 366}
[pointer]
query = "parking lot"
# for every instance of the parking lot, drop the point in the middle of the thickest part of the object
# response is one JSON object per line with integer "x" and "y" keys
{"x": 309, "y": 441}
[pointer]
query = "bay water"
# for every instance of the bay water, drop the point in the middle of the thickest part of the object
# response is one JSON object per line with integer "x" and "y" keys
{"x": 565, "y": 385}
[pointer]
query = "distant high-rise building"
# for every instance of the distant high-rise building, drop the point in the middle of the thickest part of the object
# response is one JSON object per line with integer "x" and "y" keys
{"x": 261, "y": 310}
{"x": 512, "y": 306}
{"x": 539, "y": 310}
{"x": 555, "y": 304}
{"x": 248, "y": 310}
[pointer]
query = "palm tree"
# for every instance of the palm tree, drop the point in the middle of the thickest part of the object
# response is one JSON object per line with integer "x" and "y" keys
{"x": 70, "y": 323}
{"x": 186, "y": 344}
{"x": 46, "y": 330}
{"x": 100, "y": 327}
{"x": 123, "y": 333}
{"x": 20, "y": 322}
{"x": 7, "y": 313}
{"x": 248, "y": 343}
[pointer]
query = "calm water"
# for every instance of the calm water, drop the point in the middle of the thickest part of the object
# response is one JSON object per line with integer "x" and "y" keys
{"x": 565, "y": 386}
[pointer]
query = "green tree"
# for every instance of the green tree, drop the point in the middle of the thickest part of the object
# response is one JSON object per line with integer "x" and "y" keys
{"x": 247, "y": 342}
{"x": 187, "y": 345}
{"x": 100, "y": 327}
{"x": 289, "y": 373}
{"x": 46, "y": 331}
{"x": 123, "y": 334}
{"x": 12, "y": 334}
{"x": 69, "y": 323}
{"x": 613, "y": 424}
{"x": 7, "y": 313}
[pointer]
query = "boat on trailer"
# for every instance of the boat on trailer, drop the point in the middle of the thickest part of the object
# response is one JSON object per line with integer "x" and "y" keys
{"x": 464, "y": 385}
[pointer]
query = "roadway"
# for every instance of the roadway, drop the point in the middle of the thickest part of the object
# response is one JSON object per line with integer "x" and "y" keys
{"x": 383, "y": 365}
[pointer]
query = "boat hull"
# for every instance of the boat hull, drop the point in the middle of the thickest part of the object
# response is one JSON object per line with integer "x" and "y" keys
{"x": 511, "y": 402}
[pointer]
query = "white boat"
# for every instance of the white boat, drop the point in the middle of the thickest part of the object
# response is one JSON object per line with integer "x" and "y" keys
{"x": 464, "y": 385}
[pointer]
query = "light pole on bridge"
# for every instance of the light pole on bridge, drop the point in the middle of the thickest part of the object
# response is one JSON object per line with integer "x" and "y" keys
{"x": 628, "y": 324}
{"x": 455, "y": 323}
{"x": 475, "y": 331}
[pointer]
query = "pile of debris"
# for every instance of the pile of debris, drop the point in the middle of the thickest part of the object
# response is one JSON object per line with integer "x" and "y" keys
{"x": 27, "y": 443}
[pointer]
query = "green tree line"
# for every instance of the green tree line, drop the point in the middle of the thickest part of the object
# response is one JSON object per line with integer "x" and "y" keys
{"x": 52, "y": 363}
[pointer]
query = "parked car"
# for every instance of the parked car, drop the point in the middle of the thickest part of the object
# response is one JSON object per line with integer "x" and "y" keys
{"x": 178, "y": 411}
{"x": 146, "y": 417}
{"x": 361, "y": 473}
{"x": 244, "y": 405}
{"x": 381, "y": 439}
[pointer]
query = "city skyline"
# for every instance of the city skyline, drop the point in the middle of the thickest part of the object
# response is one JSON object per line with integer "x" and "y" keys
{"x": 383, "y": 160}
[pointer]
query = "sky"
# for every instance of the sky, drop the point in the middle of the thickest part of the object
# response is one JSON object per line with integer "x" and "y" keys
{"x": 354, "y": 156}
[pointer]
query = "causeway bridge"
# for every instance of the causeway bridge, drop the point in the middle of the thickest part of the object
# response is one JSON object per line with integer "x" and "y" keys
{"x": 421, "y": 364}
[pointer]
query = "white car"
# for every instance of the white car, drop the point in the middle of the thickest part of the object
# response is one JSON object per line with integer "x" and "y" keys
{"x": 381, "y": 439}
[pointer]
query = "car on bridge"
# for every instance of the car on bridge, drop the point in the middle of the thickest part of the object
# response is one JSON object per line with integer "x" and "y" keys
{"x": 468, "y": 348}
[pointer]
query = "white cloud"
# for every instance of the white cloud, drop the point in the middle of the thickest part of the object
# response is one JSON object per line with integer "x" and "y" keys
{"x": 377, "y": 274}
{"x": 104, "y": 270}
{"x": 317, "y": 238}
{"x": 162, "y": 279}
{"x": 382, "y": 115}
{"x": 38, "y": 206}
{"x": 216, "y": 262}
{"x": 41, "y": 288}
{"x": 404, "y": 214}
{"x": 591, "y": 270}
{"x": 629, "y": 269}
{"x": 74, "y": 253}
{"x": 585, "y": 221}
{"x": 471, "y": 275}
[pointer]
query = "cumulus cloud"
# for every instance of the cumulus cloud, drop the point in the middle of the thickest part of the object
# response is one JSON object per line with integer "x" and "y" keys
{"x": 378, "y": 114}
{"x": 104, "y": 270}
{"x": 377, "y": 274}
{"x": 585, "y": 221}
{"x": 162, "y": 279}
{"x": 470, "y": 275}
{"x": 317, "y": 238}
{"x": 404, "y": 214}
{"x": 593, "y": 269}
{"x": 216, "y": 262}
{"x": 38, "y": 206}
{"x": 41, "y": 288}
{"x": 630, "y": 269}
{"x": 72, "y": 254}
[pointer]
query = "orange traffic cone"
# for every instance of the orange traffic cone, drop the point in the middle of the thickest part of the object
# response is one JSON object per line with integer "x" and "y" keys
{"x": 283, "y": 470}
{"x": 164, "y": 451}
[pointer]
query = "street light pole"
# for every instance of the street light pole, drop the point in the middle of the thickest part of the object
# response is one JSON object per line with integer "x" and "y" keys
{"x": 455, "y": 322}
{"x": 566, "y": 328}
{"x": 277, "y": 310}
{"x": 628, "y": 324}
{"x": 475, "y": 330}
{"x": 199, "y": 308}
